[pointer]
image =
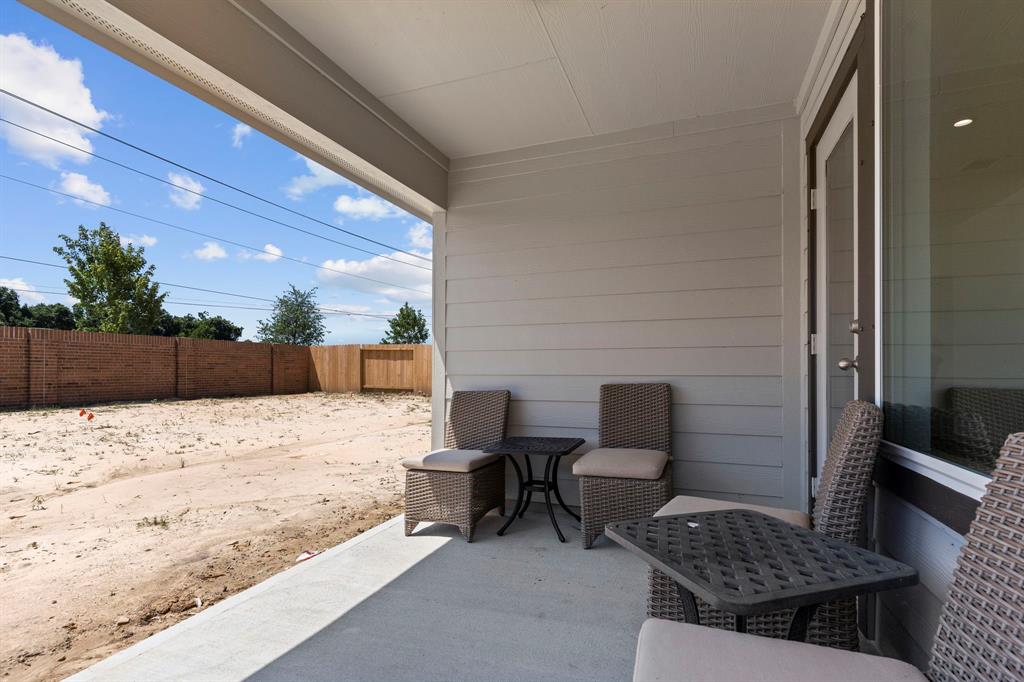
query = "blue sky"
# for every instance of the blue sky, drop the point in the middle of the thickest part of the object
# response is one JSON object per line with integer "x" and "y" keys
{"x": 44, "y": 62}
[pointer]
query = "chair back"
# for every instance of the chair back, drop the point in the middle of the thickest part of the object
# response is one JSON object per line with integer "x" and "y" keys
{"x": 846, "y": 475}
{"x": 636, "y": 416}
{"x": 476, "y": 419}
{"x": 995, "y": 413}
{"x": 981, "y": 629}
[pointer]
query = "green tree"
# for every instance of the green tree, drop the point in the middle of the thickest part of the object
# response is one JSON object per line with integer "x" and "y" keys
{"x": 206, "y": 326}
{"x": 48, "y": 316}
{"x": 296, "y": 319}
{"x": 10, "y": 308}
{"x": 201, "y": 326}
{"x": 407, "y": 326}
{"x": 43, "y": 315}
{"x": 113, "y": 285}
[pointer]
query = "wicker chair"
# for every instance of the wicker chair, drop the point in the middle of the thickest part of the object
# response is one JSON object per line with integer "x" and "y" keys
{"x": 997, "y": 411}
{"x": 460, "y": 484}
{"x": 838, "y": 513}
{"x": 981, "y": 629}
{"x": 630, "y": 474}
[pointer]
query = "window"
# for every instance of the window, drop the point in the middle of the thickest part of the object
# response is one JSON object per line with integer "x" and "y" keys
{"x": 953, "y": 227}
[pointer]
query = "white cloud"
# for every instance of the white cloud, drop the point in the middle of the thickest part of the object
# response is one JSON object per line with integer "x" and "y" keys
{"x": 26, "y": 292}
{"x": 318, "y": 178}
{"x": 140, "y": 239}
{"x": 188, "y": 192}
{"x": 238, "y": 134}
{"x": 271, "y": 253}
{"x": 210, "y": 251}
{"x": 371, "y": 207}
{"x": 421, "y": 236}
{"x": 381, "y": 269}
{"x": 80, "y": 186}
{"x": 37, "y": 72}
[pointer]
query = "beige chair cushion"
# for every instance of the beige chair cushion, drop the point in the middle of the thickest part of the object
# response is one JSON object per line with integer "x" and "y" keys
{"x": 693, "y": 653}
{"x": 621, "y": 463}
{"x": 684, "y": 504}
{"x": 450, "y": 460}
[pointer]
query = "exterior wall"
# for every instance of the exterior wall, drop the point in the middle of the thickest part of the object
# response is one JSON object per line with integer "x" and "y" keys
{"x": 13, "y": 367}
{"x": 68, "y": 367}
{"x": 664, "y": 254}
{"x": 208, "y": 369}
{"x": 290, "y": 369}
{"x": 54, "y": 367}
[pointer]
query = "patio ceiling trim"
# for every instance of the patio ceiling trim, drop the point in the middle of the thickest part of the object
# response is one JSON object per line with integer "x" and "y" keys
{"x": 242, "y": 58}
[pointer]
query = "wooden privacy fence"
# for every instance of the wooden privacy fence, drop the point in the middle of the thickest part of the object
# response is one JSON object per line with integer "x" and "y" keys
{"x": 376, "y": 367}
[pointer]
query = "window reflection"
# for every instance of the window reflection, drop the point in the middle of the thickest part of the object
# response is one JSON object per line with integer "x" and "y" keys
{"x": 953, "y": 227}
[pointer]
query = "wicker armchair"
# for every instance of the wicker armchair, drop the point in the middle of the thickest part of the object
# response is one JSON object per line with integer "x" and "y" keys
{"x": 981, "y": 629}
{"x": 630, "y": 474}
{"x": 460, "y": 484}
{"x": 838, "y": 513}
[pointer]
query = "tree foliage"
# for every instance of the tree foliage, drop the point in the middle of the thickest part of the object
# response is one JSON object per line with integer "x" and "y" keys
{"x": 201, "y": 326}
{"x": 296, "y": 319}
{"x": 10, "y": 308}
{"x": 407, "y": 326}
{"x": 48, "y": 316}
{"x": 113, "y": 285}
{"x": 41, "y": 315}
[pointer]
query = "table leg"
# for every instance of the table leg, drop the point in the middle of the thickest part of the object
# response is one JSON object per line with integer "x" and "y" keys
{"x": 801, "y": 619}
{"x": 547, "y": 498}
{"x": 558, "y": 494}
{"x": 519, "y": 495}
{"x": 689, "y": 604}
{"x": 529, "y": 491}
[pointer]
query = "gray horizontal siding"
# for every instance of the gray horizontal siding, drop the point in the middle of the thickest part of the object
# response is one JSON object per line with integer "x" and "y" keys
{"x": 653, "y": 258}
{"x": 694, "y": 390}
{"x": 730, "y": 331}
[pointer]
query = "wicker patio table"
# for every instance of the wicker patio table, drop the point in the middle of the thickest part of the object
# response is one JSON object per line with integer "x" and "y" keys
{"x": 747, "y": 563}
{"x": 551, "y": 448}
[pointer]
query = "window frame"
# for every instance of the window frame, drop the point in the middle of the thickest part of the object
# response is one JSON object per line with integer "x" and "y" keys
{"x": 956, "y": 478}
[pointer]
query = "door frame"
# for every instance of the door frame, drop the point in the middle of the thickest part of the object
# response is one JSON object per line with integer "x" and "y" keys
{"x": 858, "y": 62}
{"x": 844, "y": 113}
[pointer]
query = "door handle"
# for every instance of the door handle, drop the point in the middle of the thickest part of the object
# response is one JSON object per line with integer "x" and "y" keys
{"x": 846, "y": 364}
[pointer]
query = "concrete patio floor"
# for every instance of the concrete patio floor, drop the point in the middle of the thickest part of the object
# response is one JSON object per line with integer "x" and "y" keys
{"x": 429, "y": 607}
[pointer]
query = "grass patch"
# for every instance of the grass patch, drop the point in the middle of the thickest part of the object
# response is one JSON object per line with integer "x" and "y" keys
{"x": 161, "y": 522}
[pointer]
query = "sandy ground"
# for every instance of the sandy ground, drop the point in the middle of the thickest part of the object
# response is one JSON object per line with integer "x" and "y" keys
{"x": 115, "y": 528}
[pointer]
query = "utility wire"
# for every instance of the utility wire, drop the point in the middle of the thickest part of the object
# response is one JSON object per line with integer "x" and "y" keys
{"x": 207, "y": 196}
{"x": 325, "y": 307}
{"x": 204, "y": 175}
{"x": 208, "y": 304}
{"x": 204, "y": 234}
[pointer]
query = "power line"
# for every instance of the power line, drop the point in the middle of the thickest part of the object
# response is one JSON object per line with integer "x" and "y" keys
{"x": 206, "y": 235}
{"x": 207, "y": 196}
{"x": 324, "y": 307}
{"x": 213, "y": 304}
{"x": 207, "y": 177}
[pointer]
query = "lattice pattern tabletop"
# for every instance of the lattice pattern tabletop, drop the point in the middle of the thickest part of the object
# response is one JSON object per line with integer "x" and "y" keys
{"x": 748, "y": 563}
{"x": 535, "y": 445}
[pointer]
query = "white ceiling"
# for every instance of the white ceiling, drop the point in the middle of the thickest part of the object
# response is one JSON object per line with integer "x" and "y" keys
{"x": 476, "y": 76}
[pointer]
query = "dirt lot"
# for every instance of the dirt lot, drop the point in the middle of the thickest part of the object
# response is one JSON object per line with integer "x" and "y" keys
{"x": 117, "y": 527}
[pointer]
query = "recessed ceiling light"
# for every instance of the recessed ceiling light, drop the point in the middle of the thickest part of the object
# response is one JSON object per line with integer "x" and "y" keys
{"x": 963, "y": 123}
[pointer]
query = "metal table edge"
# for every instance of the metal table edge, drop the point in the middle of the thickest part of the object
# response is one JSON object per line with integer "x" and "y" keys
{"x": 757, "y": 604}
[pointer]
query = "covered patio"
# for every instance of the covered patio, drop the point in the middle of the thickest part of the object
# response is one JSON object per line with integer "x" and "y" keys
{"x": 429, "y": 607}
{"x": 775, "y": 208}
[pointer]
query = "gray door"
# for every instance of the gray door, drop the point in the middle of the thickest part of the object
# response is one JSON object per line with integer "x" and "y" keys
{"x": 836, "y": 339}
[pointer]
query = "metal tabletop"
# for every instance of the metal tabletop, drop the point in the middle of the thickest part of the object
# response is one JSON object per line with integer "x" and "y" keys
{"x": 747, "y": 563}
{"x": 535, "y": 445}
{"x": 541, "y": 446}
